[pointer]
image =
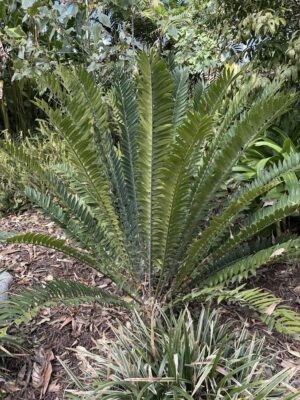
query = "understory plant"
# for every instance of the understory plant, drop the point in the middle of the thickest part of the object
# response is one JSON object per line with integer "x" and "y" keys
{"x": 179, "y": 358}
{"x": 141, "y": 195}
{"x": 14, "y": 178}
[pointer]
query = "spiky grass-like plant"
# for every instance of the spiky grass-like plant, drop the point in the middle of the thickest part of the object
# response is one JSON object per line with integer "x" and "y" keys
{"x": 137, "y": 195}
{"x": 177, "y": 358}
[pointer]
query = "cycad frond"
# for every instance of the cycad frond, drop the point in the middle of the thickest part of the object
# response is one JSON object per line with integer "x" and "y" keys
{"x": 283, "y": 318}
{"x": 61, "y": 245}
{"x": 214, "y": 94}
{"x": 181, "y": 101}
{"x": 127, "y": 109}
{"x": 241, "y": 268}
{"x": 85, "y": 158}
{"x": 239, "y": 201}
{"x": 80, "y": 226}
{"x": 261, "y": 219}
{"x": 85, "y": 94}
{"x": 154, "y": 136}
{"x": 141, "y": 192}
{"x": 215, "y": 171}
{"x": 177, "y": 176}
{"x": 26, "y": 305}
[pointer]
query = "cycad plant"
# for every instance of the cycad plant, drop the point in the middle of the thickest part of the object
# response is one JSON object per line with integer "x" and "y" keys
{"x": 141, "y": 196}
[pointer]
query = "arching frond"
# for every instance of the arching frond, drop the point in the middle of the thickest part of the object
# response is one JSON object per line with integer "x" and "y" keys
{"x": 85, "y": 158}
{"x": 240, "y": 200}
{"x": 177, "y": 177}
{"x": 25, "y": 306}
{"x": 214, "y": 94}
{"x": 241, "y": 268}
{"x": 264, "y": 303}
{"x": 214, "y": 171}
{"x": 62, "y": 246}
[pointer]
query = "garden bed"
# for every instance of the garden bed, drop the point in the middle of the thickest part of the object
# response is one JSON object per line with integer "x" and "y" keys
{"x": 55, "y": 332}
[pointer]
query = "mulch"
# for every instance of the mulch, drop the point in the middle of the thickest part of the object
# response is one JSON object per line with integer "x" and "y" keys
{"x": 53, "y": 334}
{"x": 37, "y": 373}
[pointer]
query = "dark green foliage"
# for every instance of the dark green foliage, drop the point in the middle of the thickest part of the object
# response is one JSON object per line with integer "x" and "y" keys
{"x": 140, "y": 201}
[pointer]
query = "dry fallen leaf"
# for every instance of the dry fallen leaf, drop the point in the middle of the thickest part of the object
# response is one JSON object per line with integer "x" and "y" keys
{"x": 66, "y": 322}
{"x": 293, "y": 352}
{"x": 42, "y": 370}
{"x": 297, "y": 290}
{"x": 49, "y": 278}
{"x": 278, "y": 252}
{"x": 54, "y": 387}
{"x": 288, "y": 364}
{"x": 269, "y": 310}
{"x": 268, "y": 203}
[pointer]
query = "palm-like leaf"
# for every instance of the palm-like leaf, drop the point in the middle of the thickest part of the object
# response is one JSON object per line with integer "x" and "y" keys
{"x": 141, "y": 203}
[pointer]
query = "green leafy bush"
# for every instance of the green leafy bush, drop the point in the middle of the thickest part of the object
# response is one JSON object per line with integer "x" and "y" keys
{"x": 177, "y": 358}
{"x": 141, "y": 192}
{"x": 14, "y": 178}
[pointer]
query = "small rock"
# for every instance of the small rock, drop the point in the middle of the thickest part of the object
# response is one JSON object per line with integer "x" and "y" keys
{"x": 297, "y": 290}
{"x": 5, "y": 280}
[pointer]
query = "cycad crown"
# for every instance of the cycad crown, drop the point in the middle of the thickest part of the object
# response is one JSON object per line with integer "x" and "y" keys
{"x": 144, "y": 174}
